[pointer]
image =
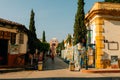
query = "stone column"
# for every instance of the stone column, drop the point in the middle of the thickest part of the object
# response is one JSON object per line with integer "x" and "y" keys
{"x": 99, "y": 41}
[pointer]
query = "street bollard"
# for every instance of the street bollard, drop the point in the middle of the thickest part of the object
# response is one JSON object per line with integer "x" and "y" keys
{"x": 40, "y": 65}
{"x": 71, "y": 66}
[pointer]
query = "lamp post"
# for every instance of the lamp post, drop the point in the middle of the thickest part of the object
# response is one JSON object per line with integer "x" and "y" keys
{"x": 73, "y": 50}
{"x": 88, "y": 43}
{"x": 86, "y": 61}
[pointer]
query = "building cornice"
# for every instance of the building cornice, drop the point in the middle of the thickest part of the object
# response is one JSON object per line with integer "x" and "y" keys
{"x": 103, "y": 8}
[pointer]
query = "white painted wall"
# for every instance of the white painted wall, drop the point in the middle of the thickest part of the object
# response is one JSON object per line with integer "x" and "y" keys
{"x": 112, "y": 33}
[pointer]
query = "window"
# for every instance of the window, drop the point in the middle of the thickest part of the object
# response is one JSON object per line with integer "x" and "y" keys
{"x": 113, "y": 45}
{"x": 21, "y": 38}
{"x": 13, "y": 38}
{"x": 1, "y": 34}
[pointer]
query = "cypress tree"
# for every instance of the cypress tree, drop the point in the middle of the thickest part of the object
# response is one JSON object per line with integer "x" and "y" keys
{"x": 32, "y": 34}
{"x": 69, "y": 39}
{"x": 79, "y": 26}
{"x": 32, "y": 24}
{"x": 43, "y": 37}
{"x": 114, "y": 1}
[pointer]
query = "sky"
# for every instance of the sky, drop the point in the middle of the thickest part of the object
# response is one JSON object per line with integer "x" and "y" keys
{"x": 55, "y": 17}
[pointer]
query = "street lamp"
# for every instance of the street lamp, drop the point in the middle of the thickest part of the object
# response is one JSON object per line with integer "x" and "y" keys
{"x": 88, "y": 43}
{"x": 72, "y": 50}
{"x": 86, "y": 61}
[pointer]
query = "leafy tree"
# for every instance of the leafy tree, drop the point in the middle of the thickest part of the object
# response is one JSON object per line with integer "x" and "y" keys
{"x": 43, "y": 37}
{"x": 43, "y": 47}
{"x": 79, "y": 26}
{"x": 114, "y": 1}
{"x": 60, "y": 47}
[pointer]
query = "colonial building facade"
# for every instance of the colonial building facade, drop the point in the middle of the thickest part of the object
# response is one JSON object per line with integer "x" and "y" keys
{"x": 103, "y": 24}
{"x": 13, "y": 43}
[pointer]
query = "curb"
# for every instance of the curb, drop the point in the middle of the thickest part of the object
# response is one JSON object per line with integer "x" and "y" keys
{"x": 101, "y": 71}
{"x": 11, "y": 70}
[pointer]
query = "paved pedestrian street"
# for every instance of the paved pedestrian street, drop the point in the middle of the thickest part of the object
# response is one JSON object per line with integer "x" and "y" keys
{"x": 57, "y": 70}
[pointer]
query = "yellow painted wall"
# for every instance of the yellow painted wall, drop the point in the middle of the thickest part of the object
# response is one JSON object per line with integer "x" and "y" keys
{"x": 106, "y": 19}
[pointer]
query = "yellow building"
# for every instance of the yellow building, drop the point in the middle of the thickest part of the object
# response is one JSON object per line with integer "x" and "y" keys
{"x": 67, "y": 44}
{"x": 68, "y": 52}
{"x": 13, "y": 42}
{"x": 103, "y": 24}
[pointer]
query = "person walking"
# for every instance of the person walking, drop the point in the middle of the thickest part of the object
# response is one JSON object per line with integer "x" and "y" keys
{"x": 81, "y": 50}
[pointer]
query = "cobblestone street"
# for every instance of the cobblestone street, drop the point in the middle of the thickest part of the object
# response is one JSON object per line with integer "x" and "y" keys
{"x": 57, "y": 64}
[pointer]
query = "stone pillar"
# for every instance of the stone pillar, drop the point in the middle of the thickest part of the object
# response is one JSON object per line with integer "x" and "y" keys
{"x": 99, "y": 42}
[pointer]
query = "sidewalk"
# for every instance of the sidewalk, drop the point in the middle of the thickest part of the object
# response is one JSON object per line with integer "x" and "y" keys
{"x": 56, "y": 69}
{"x": 59, "y": 64}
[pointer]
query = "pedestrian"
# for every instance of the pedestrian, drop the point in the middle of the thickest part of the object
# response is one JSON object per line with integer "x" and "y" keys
{"x": 27, "y": 58}
{"x": 35, "y": 60}
{"x": 82, "y": 53}
{"x": 52, "y": 56}
{"x": 31, "y": 58}
{"x": 40, "y": 57}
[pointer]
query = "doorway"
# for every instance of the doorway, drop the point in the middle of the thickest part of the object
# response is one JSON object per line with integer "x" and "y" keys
{"x": 3, "y": 51}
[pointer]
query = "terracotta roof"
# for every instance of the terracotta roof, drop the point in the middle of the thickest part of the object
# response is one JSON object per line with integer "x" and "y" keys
{"x": 12, "y": 24}
{"x": 4, "y": 21}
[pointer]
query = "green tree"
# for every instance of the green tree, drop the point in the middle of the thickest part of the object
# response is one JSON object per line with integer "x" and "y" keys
{"x": 114, "y": 1}
{"x": 31, "y": 41}
{"x": 32, "y": 34}
{"x": 60, "y": 47}
{"x": 79, "y": 26}
{"x": 43, "y": 47}
{"x": 69, "y": 39}
{"x": 32, "y": 24}
{"x": 43, "y": 37}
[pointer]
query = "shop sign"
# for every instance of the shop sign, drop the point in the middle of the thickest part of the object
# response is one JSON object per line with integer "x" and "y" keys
{"x": 4, "y": 35}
